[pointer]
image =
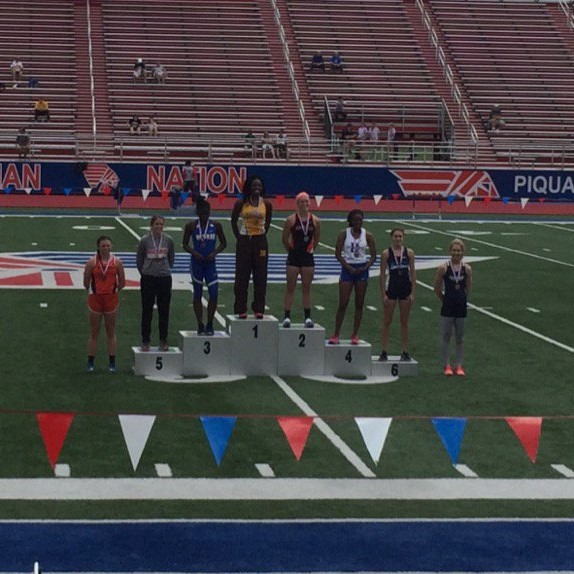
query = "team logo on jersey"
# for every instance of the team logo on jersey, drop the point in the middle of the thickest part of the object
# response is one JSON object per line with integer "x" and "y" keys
{"x": 101, "y": 174}
{"x": 457, "y": 183}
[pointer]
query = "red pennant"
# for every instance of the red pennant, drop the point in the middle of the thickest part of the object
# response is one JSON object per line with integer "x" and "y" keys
{"x": 338, "y": 199}
{"x": 296, "y": 430}
{"x": 541, "y": 199}
{"x": 106, "y": 189}
{"x": 164, "y": 193}
{"x": 279, "y": 199}
{"x": 487, "y": 200}
{"x": 47, "y": 190}
{"x": 220, "y": 198}
{"x": 396, "y": 195}
{"x": 54, "y": 428}
{"x": 527, "y": 429}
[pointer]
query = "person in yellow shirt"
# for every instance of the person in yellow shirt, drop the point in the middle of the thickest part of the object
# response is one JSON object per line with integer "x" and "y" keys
{"x": 41, "y": 111}
{"x": 250, "y": 221}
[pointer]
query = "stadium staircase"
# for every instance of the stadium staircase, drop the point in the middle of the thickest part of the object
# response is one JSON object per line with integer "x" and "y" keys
{"x": 41, "y": 34}
{"x": 513, "y": 54}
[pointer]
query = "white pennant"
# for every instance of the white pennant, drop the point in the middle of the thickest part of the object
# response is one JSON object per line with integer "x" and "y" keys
{"x": 468, "y": 200}
{"x": 377, "y": 198}
{"x": 374, "y": 432}
{"x": 28, "y": 190}
{"x": 524, "y": 201}
{"x": 318, "y": 199}
{"x": 87, "y": 191}
{"x": 145, "y": 193}
{"x": 136, "y": 429}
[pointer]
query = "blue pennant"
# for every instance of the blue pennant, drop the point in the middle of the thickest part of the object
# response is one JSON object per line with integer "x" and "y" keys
{"x": 184, "y": 196}
{"x": 126, "y": 191}
{"x": 450, "y": 199}
{"x": 450, "y": 432}
{"x": 218, "y": 430}
{"x": 358, "y": 198}
{"x": 505, "y": 200}
{"x": 67, "y": 191}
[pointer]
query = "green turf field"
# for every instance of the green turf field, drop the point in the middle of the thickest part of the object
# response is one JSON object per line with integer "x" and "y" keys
{"x": 519, "y": 348}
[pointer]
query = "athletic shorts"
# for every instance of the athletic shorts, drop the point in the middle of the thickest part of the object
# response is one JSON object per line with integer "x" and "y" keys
{"x": 298, "y": 259}
{"x": 400, "y": 293}
{"x": 346, "y": 276}
{"x": 204, "y": 271}
{"x": 103, "y": 302}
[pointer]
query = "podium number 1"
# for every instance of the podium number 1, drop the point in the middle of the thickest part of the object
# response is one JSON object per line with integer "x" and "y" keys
{"x": 255, "y": 331}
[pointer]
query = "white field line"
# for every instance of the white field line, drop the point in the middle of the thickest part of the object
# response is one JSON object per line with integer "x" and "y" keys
{"x": 559, "y": 227}
{"x": 322, "y": 426}
{"x": 522, "y": 328}
{"x": 285, "y": 489}
{"x": 563, "y": 470}
{"x": 265, "y": 470}
{"x": 465, "y": 471}
{"x": 127, "y": 227}
{"x": 495, "y": 245}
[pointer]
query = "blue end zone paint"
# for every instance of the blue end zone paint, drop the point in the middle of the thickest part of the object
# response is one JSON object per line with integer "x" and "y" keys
{"x": 443, "y": 546}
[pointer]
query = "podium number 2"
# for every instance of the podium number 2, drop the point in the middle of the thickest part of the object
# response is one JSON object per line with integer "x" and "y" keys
{"x": 159, "y": 363}
{"x": 349, "y": 357}
{"x": 207, "y": 347}
{"x": 301, "y": 340}
{"x": 255, "y": 331}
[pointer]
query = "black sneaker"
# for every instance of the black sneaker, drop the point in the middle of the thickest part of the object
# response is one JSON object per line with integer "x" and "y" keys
{"x": 383, "y": 356}
{"x": 209, "y": 329}
{"x": 405, "y": 356}
{"x": 200, "y": 329}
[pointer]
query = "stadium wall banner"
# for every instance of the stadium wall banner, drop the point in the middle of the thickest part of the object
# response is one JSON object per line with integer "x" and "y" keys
{"x": 346, "y": 181}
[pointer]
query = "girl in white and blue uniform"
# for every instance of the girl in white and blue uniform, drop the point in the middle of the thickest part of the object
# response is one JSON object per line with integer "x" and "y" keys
{"x": 356, "y": 252}
{"x": 204, "y": 234}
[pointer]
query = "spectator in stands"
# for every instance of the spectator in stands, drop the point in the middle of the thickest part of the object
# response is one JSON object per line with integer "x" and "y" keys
{"x": 139, "y": 71}
{"x": 348, "y": 138}
{"x": 188, "y": 174}
{"x": 41, "y": 111}
{"x": 267, "y": 146}
{"x": 339, "y": 115}
{"x": 16, "y": 68}
{"x": 135, "y": 125}
{"x": 159, "y": 74}
{"x": 363, "y": 133}
{"x": 282, "y": 145}
{"x": 2, "y": 87}
{"x": 32, "y": 82}
{"x": 250, "y": 143}
{"x": 392, "y": 140}
{"x": 495, "y": 121}
{"x": 374, "y": 133}
{"x": 23, "y": 143}
{"x": 317, "y": 61}
{"x": 152, "y": 126}
{"x": 337, "y": 63}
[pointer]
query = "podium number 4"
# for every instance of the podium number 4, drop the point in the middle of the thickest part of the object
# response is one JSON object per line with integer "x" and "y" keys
{"x": 349, "y": 357}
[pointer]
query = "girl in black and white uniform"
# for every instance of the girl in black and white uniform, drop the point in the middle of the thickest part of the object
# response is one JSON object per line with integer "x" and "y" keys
{"x": 398, "y": 262}
{"x": 452, "y": 285}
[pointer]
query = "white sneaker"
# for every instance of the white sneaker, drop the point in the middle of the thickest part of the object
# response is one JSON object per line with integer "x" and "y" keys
{"x": 309, "y": 323}
{"x": 286, "y": 323}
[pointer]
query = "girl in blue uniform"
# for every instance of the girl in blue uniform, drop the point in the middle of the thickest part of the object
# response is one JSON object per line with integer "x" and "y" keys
{"x": 204, "y": 234}
{"x": 398, "y": 262}
{"x": 356, "y": 252}
{"x": 452, "y": 285}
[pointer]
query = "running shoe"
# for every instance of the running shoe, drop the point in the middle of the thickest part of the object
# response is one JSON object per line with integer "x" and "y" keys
{"x": 354, "y": 339}
{"x": 90, "y": 368}
{"x": 334, "y": 340}
{"x": 286, "y": 323}
{"x": 383, "y": 356}
{"x": 209, "y": 329}
{"x": 112, "y": 368}
{"x": 144, "y": 347}
{"x": 460, "y": 371}
{"x": 448, "y": 371}
{"x": 201, "y": 329}
{"x": 163, "y": 346}
{"x": 405, "y": 356}
{"x": 309, "y": 323}
{"x": 259, "y": 315}
{"x": 242, "y": 315}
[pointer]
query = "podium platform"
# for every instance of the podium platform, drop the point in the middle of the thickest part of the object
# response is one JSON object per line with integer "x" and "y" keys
{"x": 205, "y": 355}
{"x": 394, "y": 367}
{"x": 253, "y": 345}
{"x": 301, "y": 350}
{"x": 156, "y": 362}
{"x": 346, "y": 360}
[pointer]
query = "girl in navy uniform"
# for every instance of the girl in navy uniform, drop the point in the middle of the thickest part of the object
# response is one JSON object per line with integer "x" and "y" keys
{"x": 399, "y": 263}
{"x": 452, "y": 285}
{"x": 356, "y": 252}
{"x": 204, "y": 234}
{"x": 300, "y": 238}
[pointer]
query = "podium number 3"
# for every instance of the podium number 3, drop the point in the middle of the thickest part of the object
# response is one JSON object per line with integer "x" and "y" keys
{"x": 207, "y": 347}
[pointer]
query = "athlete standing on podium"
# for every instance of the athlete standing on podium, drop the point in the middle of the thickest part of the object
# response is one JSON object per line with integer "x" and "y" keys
{"x": 301, "y": 234}
{"x": 104, "y": 278}
{"x": 351, "y": 252}
{"x": 399, "y": 263}
{"x": 456, "y": 277}
{"x": 250, "y": 221}
{"x": 204, "y": 233}
{"x": 155, "y": 258}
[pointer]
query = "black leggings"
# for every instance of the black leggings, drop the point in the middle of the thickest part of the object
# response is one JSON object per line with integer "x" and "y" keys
{"x": 251, "y": 256}
{"x": 155, "y": 289}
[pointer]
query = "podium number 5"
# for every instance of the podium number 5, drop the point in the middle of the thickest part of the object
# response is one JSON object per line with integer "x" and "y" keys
{"x": 159, "y": 363}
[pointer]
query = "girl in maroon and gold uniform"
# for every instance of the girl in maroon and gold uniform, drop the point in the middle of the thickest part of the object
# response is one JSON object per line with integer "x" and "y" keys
{"x": 104, "y": 277}
{"x": 250, "y": 221}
